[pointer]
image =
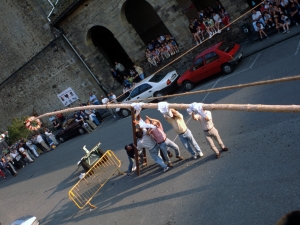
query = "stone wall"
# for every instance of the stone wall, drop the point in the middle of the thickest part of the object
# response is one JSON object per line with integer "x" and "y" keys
{"x": 24, "y": 33}
{"x": 36, "y": 85}
{"x": 35, "y": 66}
{"x": 110, "y": 14}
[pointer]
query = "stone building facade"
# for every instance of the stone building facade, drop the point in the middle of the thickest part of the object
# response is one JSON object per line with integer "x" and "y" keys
{"x": 41, "y": 58}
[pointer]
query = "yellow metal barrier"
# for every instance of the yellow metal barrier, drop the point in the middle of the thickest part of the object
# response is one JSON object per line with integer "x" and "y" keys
{"x": 94, "y": 179}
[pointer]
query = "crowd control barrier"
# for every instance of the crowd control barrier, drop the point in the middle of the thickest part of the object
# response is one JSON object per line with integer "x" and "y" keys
{"x": 94, "y": 179}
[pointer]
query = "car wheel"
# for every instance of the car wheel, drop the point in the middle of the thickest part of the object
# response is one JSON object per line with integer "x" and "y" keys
{"x": 81, "y": 131}
{"x": 227, "y": 68}
{"x": 159, "y": 94}
{"x": 125, "y": 112}
{"x": 61, "y": 140}
{"x": 188, "y": 85}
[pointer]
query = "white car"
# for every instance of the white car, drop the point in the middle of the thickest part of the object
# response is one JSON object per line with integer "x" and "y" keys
{"x": 154, "y": 86}
{"x": 26, "y": 220}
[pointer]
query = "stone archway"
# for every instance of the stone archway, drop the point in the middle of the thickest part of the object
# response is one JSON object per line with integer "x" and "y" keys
{"x": 104, "y": 40}
{"x": 191, "y": 7}
{"x": 145, "y": 20}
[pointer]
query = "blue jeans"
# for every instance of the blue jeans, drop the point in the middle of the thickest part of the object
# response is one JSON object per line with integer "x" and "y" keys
{"x": 187, "y": 140}
{"x": 130, "y": 165}
{"x": 156, "y": 157}
{"x": 95, "y": 120}
{"x": 142, "y": 76}
{"x": 171, "y": 144}
{"x": 163, "y": 148}
{"x": 96, "y": 103}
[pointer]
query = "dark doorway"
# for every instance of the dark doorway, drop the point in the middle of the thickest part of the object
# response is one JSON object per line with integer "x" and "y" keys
{"x": 144, "y": 19}
{"x": 191, "y": 7}
{"x": 109, "y": 46}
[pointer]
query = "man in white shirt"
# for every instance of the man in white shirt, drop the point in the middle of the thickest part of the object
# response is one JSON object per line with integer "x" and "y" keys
{"x": 257, "y": 17}
{"x": 210, "y": 131}
{"x": 147, "y": 142}
{"x": 41, "y": 141}
{"x": 119, "y": 67}
{"x": 106, "y": 101}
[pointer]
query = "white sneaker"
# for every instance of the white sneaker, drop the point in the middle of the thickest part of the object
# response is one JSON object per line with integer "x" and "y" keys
{"x": 197, "y": 43}
{"x": 219, "y": 31}
{"x": 284, "y": 32}
{"x": 166, "y": 169}
{"x": 297, "y": 24}
{"x": 133, "y": 169}
{"x": 202, "y": 38}
{"x": 228, "y": 28}
{"x": 201, "y": 154}
{"x": 114, "y": 116}
{"x": 195, "y": 156}
{"x": 210, "y": 36}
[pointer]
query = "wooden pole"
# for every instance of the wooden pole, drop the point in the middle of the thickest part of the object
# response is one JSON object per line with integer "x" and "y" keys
{"x": 136, "y": 156}
{"x": 230, "y": 107}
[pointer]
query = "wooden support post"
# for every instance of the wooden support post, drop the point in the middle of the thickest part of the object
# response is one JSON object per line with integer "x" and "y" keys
{"x": 136, "y": 156}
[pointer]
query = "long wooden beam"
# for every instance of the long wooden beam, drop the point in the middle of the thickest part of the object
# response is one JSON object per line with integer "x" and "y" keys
{"x": 230, "y": 107}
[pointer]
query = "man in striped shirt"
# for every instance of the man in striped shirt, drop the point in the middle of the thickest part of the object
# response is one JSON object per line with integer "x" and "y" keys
{"x": 161, "y": 139}
{"x": 147, "y": 142}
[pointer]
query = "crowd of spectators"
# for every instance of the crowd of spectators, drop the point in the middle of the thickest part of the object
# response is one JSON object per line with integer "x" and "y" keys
{"x": 26, "y": 151}
{"x": 160, "y": 49}
{"x": 209, "y": 22}
{"x": 280, "y": 14}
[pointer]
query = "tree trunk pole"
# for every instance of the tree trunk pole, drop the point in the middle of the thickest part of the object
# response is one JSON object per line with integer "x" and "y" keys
{"x": 230, "y": 107}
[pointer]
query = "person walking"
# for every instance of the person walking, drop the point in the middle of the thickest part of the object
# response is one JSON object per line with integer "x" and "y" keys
{"x": 130, "y": 153}
{"x": 210, "y": 131}
{"x": 184, "y": 134}
{"x": 161, "y": 139}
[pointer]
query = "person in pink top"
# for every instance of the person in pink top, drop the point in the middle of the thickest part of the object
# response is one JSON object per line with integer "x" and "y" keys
{"x": 161, "y": 139}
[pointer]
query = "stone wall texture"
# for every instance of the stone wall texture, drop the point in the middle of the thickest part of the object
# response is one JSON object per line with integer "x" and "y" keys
{"x": 37, "y": 63}
{"x": 24, "y": 33}
{"x": 35, "y": 87}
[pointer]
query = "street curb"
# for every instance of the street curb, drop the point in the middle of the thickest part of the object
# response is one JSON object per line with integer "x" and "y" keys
{"x": 266, "y": 47}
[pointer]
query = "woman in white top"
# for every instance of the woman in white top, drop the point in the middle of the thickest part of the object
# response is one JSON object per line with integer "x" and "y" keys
{"x": 51, "y": 136}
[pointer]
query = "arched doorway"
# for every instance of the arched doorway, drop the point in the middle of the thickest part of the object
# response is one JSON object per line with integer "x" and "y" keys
{"x": 144, "y": 19}
{"x": 191, "y": 7}
{"x": 109, "y": 46}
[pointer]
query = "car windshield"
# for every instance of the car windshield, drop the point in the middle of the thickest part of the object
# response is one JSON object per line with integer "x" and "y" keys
{"x": 226, "y": 47}
{"x": 157, "y": 78}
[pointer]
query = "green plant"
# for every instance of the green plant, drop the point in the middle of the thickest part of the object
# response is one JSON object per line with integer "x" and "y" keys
{"x": 17, "y": 130}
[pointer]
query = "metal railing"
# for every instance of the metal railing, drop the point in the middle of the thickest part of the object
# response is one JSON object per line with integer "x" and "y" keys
{"x": 95, "y": 178}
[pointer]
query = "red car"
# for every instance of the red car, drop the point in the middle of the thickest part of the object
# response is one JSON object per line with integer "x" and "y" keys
{"x": 220, "y": 57}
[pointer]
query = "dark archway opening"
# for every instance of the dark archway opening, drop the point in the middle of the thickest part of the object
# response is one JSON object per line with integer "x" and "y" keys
{"x": 144, "y": 19}
{"x": 191, "y": 7}
{"x": 109, "y": 46}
